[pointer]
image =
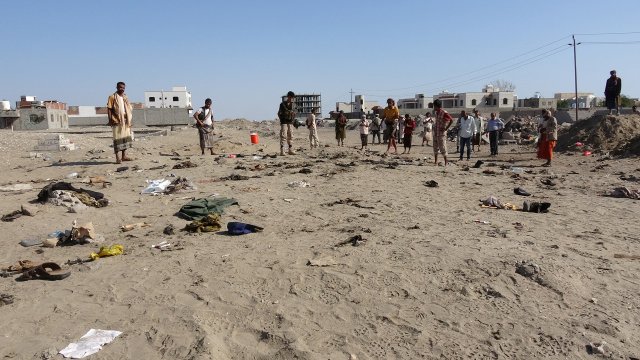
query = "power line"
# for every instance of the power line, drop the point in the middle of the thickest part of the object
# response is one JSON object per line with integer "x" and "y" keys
{"x": 611, "y": 42}
{"x": 473, "y": 71}
{"x": 610, "y": 33}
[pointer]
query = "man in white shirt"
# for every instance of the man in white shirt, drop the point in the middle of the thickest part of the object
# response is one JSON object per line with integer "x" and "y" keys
{"x": 313, "y": 131}
{"x": 477, "y": 137}
{"x": 204, "y": 123}
{"x": 467, "y": 130}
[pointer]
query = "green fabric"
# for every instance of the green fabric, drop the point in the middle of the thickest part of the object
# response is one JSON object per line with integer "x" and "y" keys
{"x": 199, "y": 208}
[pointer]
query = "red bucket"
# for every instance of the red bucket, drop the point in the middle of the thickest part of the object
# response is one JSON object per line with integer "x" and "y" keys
{"x": 254, "y": 138}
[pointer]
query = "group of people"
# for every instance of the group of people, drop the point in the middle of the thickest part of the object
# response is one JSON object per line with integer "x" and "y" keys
{"x": 393, "y": 126}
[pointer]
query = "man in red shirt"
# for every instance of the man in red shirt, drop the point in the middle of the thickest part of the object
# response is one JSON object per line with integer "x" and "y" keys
{"x": 443, "y": 122}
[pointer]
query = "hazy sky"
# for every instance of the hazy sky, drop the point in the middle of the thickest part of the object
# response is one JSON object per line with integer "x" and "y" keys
{"x": 246, "y": 54}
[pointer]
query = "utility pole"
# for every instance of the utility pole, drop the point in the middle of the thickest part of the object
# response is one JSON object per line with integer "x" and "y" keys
{"x": 351, "y": 92}
{"x": 575, "y": 71}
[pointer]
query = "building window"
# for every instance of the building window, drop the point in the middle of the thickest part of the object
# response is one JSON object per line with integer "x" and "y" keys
{"x": 175, "y": 98}
{"x": 51, "y": 117}
{"x": 495, "y": 102}
{"x": 461, "y": 102}
{"x": 430, "y": 105}
{"x": 473, "y": 102}
{"x": 505, "y": 101}
{"x": 152, "y": 98}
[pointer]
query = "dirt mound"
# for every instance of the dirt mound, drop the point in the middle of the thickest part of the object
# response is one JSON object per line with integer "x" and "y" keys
{"x": 619, "y": 135}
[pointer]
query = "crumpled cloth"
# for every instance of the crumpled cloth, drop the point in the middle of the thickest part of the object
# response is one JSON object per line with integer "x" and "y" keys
{"x": 494, "y": 202}
{"x": 623, "y": 192}
{"x": 105, "y": 251}
{"x": 199, "y": 208}
{"x": 90, "y": 343}
{"x": 209, "y": 223}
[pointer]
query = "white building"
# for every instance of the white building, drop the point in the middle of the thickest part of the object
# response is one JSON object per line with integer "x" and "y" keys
{"x": 177, "y": 97}
{"x": 419, "y": 101}
{"x": 363, "y": 106}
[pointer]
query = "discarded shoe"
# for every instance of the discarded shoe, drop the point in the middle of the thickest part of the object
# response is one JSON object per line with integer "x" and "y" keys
{"x": 47, "y": 271}
{"x": 520, "y": 191}
{"x": 431, "y": 183}
{"x": 478, "y": 164}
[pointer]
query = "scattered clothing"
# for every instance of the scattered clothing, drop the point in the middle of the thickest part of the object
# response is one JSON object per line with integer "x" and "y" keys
{"x": 208, "y": 223}
{"x": 623, "y": 192}
{"x": 238, "y": 228}
{"x": 199, "y": 208}
{"x": 520, "y": 191}
{"x": 536, "y": 207}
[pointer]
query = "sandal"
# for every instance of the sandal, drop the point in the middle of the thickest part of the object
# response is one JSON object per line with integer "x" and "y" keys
{"x": 127, "y": 159}
{"x": 47, "y": 271}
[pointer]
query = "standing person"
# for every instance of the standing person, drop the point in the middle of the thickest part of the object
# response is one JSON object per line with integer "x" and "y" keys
{"x": 313, "y": 130}
{"x": 286, "y": 114}
{"x": 494, "y": 125}
{"x": 612, "y": 90}
{"x": 341, "y": 128}
{"x": 477, "y": 137}
{"x": 390, "y": 116}
{"x": 428, "y": 126}
{"x": 442, "y": 124}
{"x": 634, "y": 110}
{"x": 548, "y": 137}
{"x": 204, "y": 123}
{"x": 467, "y": 131}
{"x": 409, "y": 127}
{"x": 364, "y": 131}
{"x": 120, "y": 115}
{"x": 400, "y": 129}
{"x": 375, "y": 129}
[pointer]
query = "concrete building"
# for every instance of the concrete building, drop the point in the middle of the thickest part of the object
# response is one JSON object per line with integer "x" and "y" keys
{"x": 363, "y": 106}
{"x": 569, "y": 95}
{"x": 538, "y": 103}
{"x": 419, "y": 101}
{"x": 177, "y": 97}
{"x": 32, "y": 114}
{"x": 305, "y": 102}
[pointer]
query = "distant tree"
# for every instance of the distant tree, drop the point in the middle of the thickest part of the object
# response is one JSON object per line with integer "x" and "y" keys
{"x": 563, "y": 104}
{"x": 504, "y": 85}
{"x": 625, "y": 101}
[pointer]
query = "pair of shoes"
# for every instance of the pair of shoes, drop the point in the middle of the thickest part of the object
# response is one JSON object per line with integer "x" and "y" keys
{"x": 520, "y": 191}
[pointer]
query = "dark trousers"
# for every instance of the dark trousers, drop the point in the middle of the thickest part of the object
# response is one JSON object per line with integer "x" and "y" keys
{"x": 375, "y": 133}
{"x": 493, "y": 142}
{"x": 465, "y": 142}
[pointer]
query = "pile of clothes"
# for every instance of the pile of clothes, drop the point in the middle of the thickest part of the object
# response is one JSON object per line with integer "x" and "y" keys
{"x": 65, "y": 194}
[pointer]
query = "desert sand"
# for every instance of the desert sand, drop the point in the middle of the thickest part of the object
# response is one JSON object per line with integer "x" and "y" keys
{"x": 434, "y": 276}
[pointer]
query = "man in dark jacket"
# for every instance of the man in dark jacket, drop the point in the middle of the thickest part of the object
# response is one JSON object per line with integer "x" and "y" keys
{"x": 612, "y": 91}
{"x": 286, "y": 114}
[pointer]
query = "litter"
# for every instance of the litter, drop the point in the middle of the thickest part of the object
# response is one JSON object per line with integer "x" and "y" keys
{"x": 73, "y": 175}
{"x": 520, "y": 191}
{"x": 238, "y": 228}
{"x": 587, "y": 153}
{"x": 484, "y": 222}
{"x": 16, "y": 188}
{"x": 431, "y": 183}
{"x": 30, "y": 242}
{"x": 623, "y": 192}
{"x": 46, "y": 271}
{"x": 90, "y": 343}
{"x": 199, "y": 208}
{"x": 185, "y": 165}
{"x": 130, "y": 227}
{"x": 356, "y": 240}
{"x": 156, "y": 186}
{"x": 298, "y": 184}
{"x": 322, "y": 262}
{"x": 579, "y": 144}
{"x": 536, "y": 207}
{"x": 209, "y": 223}
{"x": 106, "y": 251}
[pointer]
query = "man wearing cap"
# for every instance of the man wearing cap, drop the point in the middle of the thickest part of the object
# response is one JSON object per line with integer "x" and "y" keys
{"x": 612, "y": 90}
{"x": 286, "y": 114}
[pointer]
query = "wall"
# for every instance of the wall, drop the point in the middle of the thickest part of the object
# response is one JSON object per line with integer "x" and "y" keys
{"x": 41, "y": 119}
{"x": 141, "y": 117}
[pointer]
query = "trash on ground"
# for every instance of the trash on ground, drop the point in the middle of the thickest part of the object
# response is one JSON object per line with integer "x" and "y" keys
{"x": 624, "y": 192}
{"x": 208, "y": 223}
{"x": 239, "y": 228}
{"x": 45, "y": 271}
{"x": 106, "y": 251}
{"x": 322, "y": 261}
{"x": 130, "y": 227}
{"x": 536, "y": 207}
{"x": 185, "y": 165}
{"x": 156, "y": 186}
{"x": 199, "y": 208}
{"x": 356, "y": 240}
{"x": 298, "y": 184}
{"x": 90, "y": 343}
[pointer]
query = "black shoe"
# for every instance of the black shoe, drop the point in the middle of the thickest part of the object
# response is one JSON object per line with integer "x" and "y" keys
{"x": 520, "y": 191}
{"x": 478, "y": 164}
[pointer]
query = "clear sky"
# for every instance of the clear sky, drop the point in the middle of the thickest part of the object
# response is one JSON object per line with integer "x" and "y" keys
{"x": 246, "y": 54}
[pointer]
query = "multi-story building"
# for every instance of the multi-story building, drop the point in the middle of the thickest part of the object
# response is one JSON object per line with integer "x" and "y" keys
{"x": 177, "y": 97}
{"x": 417, "y": 102}
{"x": 304, "y": 103}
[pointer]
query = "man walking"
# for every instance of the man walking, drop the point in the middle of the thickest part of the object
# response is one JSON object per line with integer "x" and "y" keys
{"x": 286, "y": 114}
{"x": 467, "y": 130}
{"x": 443, "y": 122}
{"x": 120, "y": 117}
{"x": 204, "y": 123}
{"x": 494, "y": 125}
{"x": 313, "y": 131}
{"x": 612, "y": 90}
{"x": 375, "y": 129}
{"x": 477, "y": 137}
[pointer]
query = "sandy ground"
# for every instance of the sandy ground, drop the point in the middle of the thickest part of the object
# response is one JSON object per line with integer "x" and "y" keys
{"x": 429, "y": 281}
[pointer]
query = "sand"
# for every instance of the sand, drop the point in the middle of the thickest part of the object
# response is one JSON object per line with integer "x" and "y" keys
{"x": 426, "y": 281}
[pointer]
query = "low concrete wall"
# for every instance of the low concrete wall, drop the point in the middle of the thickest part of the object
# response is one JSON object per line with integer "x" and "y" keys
{"x": 141, "y": 117}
